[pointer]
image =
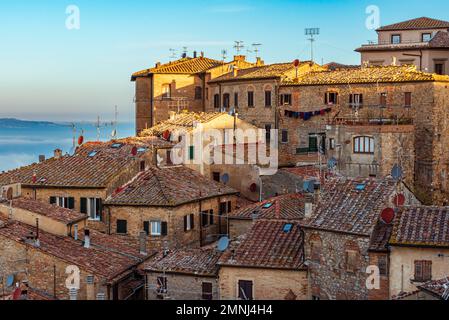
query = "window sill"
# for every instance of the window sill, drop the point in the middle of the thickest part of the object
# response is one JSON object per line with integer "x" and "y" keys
{"x": 94, "y": 219}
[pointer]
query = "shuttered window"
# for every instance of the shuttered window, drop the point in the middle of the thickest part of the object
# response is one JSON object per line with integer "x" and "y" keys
{"x": 122, "y": 226}
{"x": 364, "y": 145}
{"x": 236, "y": 100}
{"x": 216, "y": 101}
{"x": 250, "y": 99}
{"x": 161, "y": 285}
{"x": 423, "y": 271}
{"x": 207, "y": 291}
{"x": 356, "y": 100}
{"x": 351, "y": 261}
{"x": 63, "y": 202}
{"x": 267, "y": 98}
{"x": 146, "y": 227}
{"x": 245, "y": 290}
{"x": 408, "y": 99}
{"x": 198, "y": 93}
{"x": 189, "y": 222}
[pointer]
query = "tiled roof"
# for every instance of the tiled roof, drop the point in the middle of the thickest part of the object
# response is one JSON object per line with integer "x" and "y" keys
{"x": 172, "y": 186}
{"x": 374, "y": 74}
{"x": 285, "y": 207}
{"x": 422, "y": 23}
{"x": 276, "y": 70}
{"x": 53, "y": 212}
{"x": 186, "y": 261}
{"x": 343, "y": 208}
{"x": 181, "y": 66}
{"x": 266, "y": 245}
{"x": 438, "y": 288}
{"x": 421, "y": 226}
{"x": 99, "y": 260}
{"x": 183, "y": 122}
{"x": 336, "y": 66}
{"x": 69, "y": 171}
{"x": 380, "y": 237}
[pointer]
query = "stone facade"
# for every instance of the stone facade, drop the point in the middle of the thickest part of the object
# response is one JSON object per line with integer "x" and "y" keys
{"x": 268, "y": 284}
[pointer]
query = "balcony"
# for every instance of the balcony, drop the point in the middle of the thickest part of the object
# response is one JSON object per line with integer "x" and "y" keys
{"x": 388, "y": 44}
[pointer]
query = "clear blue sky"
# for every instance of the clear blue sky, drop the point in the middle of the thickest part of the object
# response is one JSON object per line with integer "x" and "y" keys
{"x": 49, "y": 72}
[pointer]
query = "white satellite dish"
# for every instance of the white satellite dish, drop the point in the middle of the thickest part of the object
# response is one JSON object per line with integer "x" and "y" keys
{"x": 223, "y": 244}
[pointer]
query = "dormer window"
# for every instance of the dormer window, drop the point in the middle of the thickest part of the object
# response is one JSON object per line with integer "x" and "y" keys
{"x": 396, "y": 39}
{"x": 426, "y": 37}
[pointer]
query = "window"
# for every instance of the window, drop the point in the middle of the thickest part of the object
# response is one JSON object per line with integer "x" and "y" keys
{"x": 146, "y": 227}
{"x": 236, "y": 100}
{"x": 191, "y": 152}
{"x": 284, "y": 138}
{"x": 216, "y": 176}
{"x": 439, "y": 68}
{"x": 382, "y": 263}
{"x": 426, "y": 37}
{"x": 161, "y": 285}
{"x": 331, "y": 98}
{"x": 351, "y": 261}
{"x": 63, "y": 202}
{"x": 383, "y": 99}
{"x": 332, "y": 143}
{"x": 251, "y": 99}
{"x": 408, "y": 99}
{"x": 204, "y": 218}
{"x": 267, "y": 98}
{"x": 355, "y": 100}
{"x": 189, "y": 222}
{"x": 364, "y": 145}
{"x": 315, "y": 251}
{"x": 226, "y": 101}
{"x": 268, "y": 132}
{"x": 156, "y": 228}
{"x": 166, "y": 91}
{"x": 122, "y": 226}
{"x": 92, "y": 207}
{"x": 245, "y": 290}
{"x": 207, "y": 291}
{"x": 395, "y": 38}
{"x": 225, "y": 207}
{"x": 423, "y": 271}
{"x": 142, "y": 166}
{"x": 313, "y": 143}
{"x": 198, "y": 93}
{"x": 211, "y": 217}
{"x": 216, "y": 101}
{"x": 286, "y": 99}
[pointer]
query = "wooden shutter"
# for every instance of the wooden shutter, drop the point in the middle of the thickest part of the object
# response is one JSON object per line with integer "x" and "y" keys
{"x": 245, "y": 290}
{"x": 99, "y": 205}
{"x": 361, "y": 98}
{"x": 71, "y": 203}
{"x": 207, "y": 290}
{"x": 122, "y": 226}
{"x": 192, "y": 221}
{"x": 83, "y": 205}
{"x": 185, "y": 223}
{"x": 408, "y": 99}
{"x": 146, "y": 227}
{"x": 236, "y": 100}
{"x": 351, "y": 98}
{"x": 427, "y": 270}
{"x": 326, "y": 98}
{"x": 164, "y": 228}
{"x": 52, "y": 200}
{"x": 211, "y": 217}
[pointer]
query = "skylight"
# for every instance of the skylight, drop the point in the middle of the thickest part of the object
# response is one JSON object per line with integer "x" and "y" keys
{"x": 116, "y": 145}
{"x": 360, "y": 187}
{"x": 288, "y": 227}
{"x": 141, "y": 149}
{"x": 268, "y": 206}
{"x": 92, "y": 153}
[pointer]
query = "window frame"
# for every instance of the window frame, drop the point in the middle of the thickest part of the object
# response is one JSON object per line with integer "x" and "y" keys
{"x": 198, "y": 93}
{"x": 284, "y": 131}
{"x": 166, "y": 95}
{"x": 396, "y": 35}
{"x": 327, "y": 98}
{"x": 226, "y": 101}
{"x": 207, "y": 295}
{"x": 425, "y": 271}
{"x": 268, "y": 98}
{"x": 216, "y": 101}
{"x": 125, "y": 226}
{"x": 240, "y": 292}
{"x": 286, "y": 99}
{"x": 360, "y": 148}
{"x": 408, "y": 96}
{"x": 156, "y": 223}
{"x": 426, "y": 34}
{"x": 251, "y": 99}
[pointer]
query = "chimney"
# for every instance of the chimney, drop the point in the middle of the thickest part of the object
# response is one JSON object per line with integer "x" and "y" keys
{"x": 37, "y": 243}
{"x": 195, "y": 54}
{"x": 308, "y": 209}
{"x": 143, "y": 243}
{"x": 235, "y": 71}
{"x": 202, "y": 54}
{"x": 158, "y": 64}
{"x": 58, "y": 153}
{"x": 259, "y": 62}
{"x": 41, "y": 158}
{"x": 86, "y": 239}
{"x": 239, "y": 58}
{"x": 75, "y": 232}
{"x": 73, "y": 293}
{"x": 184, "y": 55}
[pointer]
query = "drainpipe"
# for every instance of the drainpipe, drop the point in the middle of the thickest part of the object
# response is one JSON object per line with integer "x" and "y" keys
{"x": 152, "y": 101}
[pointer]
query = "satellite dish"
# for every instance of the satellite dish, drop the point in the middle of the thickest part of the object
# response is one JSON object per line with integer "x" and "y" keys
{"x": 10, "y": 280}
{"x": 399, "y": 200}
{"x": 332, "y": 163}
{"x": 223, "y": 244}
{"x": 134, "y": 151}
{"x": 80, "y": 140}
{"x": 309, "y": 186}
{"x": 387, "y": 215}
{"x": 396, "y": 172}
{"x": 225, "y": 178}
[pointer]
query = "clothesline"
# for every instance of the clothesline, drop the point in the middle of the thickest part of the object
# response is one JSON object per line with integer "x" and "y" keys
{"x": 306, "y": 115}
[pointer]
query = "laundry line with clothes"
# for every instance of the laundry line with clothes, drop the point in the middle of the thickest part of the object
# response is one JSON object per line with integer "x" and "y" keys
{"x": 306, "y": 115}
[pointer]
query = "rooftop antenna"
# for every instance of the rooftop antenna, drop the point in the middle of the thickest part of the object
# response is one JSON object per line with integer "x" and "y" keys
{"x": 98, "y": 128}
{"x": 312, "y": 32}
{"x": 172, "y": 54}
{"x": 184, "y": 52}
{"x": 114, "y": 131}
{"x": 238, "y": 46}
{"x": 256, "y": 49}
{"x": 224, "y": 54}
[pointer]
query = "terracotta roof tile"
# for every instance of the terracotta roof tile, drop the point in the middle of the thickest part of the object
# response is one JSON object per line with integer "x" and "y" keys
{"x": 100, "y": 260}
{"x": 285, "y": 207}
{"x": 48, "y": 210}
{"x": 181, "y": 66}
{"x": 374, "y": 74}
{"x": 380, "y": 237}
{"x": 421, "y": 226}
{"x": 422, "y": 23}
{"x": 343, "y": 208}
{"x": 188, "y": 261}
{"x": 266, "y": 245}
{"x": 170, "y": 186}
{"x": 438, "y": 288}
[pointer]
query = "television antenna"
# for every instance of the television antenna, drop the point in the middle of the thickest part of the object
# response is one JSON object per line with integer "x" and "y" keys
{"x": 114, "y": 130}
{"x": 184, "y": 52}
{"x": 172, "y": 54}
{"x": 224, "y": 54}
{"x": 238, "y": 46}
{"x": 256, "y": 49}
{"x": 312, "y": 32}
{"x": 98, "y": 126}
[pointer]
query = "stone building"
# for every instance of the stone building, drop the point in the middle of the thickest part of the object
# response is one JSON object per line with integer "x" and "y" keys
{"x": 183, "y": 274}
{"x": 177, "y": 85}
{"x": 175, "y": 206}
{"x": 423, "y": 42}
{"x": 363, "y": 117}
{"x": 107, "y": 264}
{"x": 419, "y": 248}
{"x": 267, "y": 263}
{"x": 346, "y": 234}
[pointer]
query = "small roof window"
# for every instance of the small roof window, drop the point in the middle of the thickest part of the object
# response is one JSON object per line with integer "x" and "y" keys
{"x": 288, "y": 228}
{"x": 92, "y": 153}
{"x": 268, "y": 205}
{"x": 360, "y": 187}
{"x": 142, "y": 149}
{"x": 116, "y": 146}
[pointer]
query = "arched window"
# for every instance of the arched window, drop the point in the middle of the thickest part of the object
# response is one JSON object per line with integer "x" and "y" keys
{"x": 352, "y": 257}
{"x": 226, "y": 101}
{"x": 364, "y": 145}
{"x": 166, "y": 91}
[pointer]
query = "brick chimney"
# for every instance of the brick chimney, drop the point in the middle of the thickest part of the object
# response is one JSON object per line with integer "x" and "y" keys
{"x": 158, "y": 64}
{"x": 58, "y": 153}
{"x": 240, "y": 58}
{"x": 260, "y": 62}
{"x": 308, "y": 209}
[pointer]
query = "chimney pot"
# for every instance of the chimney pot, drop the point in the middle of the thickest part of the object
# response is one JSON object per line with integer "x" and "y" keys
{"x": 86, "y": 239}
{"x": 75, "y": 232}
{"x": 41, "y": 158}
{"x": 58, "y": 153}
{"x": 158, "y": 64}
{"x": 202, "y": 54}
{"x": 195, "y": 54}
{"x": 308, "y": 209}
